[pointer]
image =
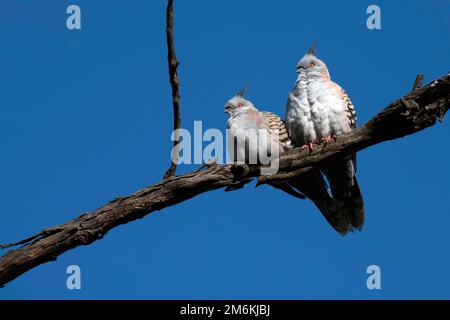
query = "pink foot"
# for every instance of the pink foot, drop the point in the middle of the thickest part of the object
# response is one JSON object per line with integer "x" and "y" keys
{"x": 329, "y": 138}
{"x": 309, "y": 145}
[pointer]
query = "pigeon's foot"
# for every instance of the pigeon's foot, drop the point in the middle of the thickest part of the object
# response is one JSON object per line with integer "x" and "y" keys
{"x": 309, "y": 145}
{"x": 329, "y": 138}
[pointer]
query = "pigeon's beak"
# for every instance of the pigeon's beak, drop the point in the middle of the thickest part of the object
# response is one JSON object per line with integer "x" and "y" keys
{"x": 227, "y": 109}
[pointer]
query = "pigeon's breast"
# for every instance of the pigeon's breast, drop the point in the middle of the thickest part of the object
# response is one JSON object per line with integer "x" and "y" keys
{"x": 331, "y": 98}
{"x": 248, "y": 138}
{"x": 300, "y": 116}
{"x": 324, "y": 99}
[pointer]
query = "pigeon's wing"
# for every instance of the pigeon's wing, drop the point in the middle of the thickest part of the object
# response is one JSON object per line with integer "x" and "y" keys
{"x": 350, "y": 110}
{"x": 276, "y": 126}
{"x": 311, "y": 184}
{"x": 342, "y": 177}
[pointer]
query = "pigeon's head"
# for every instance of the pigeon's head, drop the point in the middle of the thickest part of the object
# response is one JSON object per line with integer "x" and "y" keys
{"x": 238, "y": 104}
{"x": 312, "y": 66}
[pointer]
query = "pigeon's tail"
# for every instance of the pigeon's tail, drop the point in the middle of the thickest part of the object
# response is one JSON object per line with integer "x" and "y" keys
{"x": 355, "y": 204}
{"x": 286, "y": 188}
{"x": 345, "y": 190}
{"x": 313, "y": 186}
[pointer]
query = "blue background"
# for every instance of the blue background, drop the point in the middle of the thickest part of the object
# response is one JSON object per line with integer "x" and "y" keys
{"x": 86, "y": 116}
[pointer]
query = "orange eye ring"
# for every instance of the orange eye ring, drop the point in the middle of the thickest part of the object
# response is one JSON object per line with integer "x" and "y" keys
{"x": 239, "y": 105}
{"x": 311, "y": 64}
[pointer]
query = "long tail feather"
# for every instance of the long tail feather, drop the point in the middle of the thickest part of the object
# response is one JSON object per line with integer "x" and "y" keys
{"x": 313, "y": 186}
{"x": 345, "y": 190}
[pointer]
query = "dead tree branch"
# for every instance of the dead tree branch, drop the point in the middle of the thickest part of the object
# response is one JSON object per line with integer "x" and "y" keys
{"x": 414, "y": 112}
{"x": 418, "y": 82}
{"x": 175, "y": 84}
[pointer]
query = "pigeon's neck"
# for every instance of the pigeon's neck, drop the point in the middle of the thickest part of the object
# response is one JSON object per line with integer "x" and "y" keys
{"x": 306, "y": 82}
{"x": 242, "y": 111}
{"x": 304, "y": 77}
{"x": 302, "y": 84}
{"x": 245, "y": 118}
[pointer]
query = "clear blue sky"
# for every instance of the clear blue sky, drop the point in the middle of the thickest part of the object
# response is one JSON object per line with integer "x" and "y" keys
{"x": 86, "y": 116}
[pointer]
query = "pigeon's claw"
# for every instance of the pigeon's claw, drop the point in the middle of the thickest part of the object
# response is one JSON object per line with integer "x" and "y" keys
{"x": 309, "y": 145}
{"x": 329, "y": 138}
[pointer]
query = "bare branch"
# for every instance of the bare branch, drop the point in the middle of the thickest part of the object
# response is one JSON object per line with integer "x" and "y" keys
{"x": 418, "y": 82}
{"x": 414, "y": 112}
{"x": 175, "y": 84}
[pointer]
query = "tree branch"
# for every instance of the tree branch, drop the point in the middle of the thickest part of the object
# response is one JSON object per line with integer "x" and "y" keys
{"x": 175, "y": 84}
{"x": 418, "y": 82}
{"x": 414, "y": 112}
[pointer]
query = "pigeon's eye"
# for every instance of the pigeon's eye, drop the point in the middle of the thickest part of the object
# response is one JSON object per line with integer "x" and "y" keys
{"x": 239, "y": 105}
{"x": 312, "y": 64}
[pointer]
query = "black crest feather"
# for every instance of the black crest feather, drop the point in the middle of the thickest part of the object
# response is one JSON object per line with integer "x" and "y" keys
{"x": 242, "y": 92}
{"x": 313, "y": 49}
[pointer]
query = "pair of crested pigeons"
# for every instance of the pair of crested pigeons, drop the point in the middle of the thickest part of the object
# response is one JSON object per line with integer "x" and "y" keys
{"x": 317, "y": 110}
